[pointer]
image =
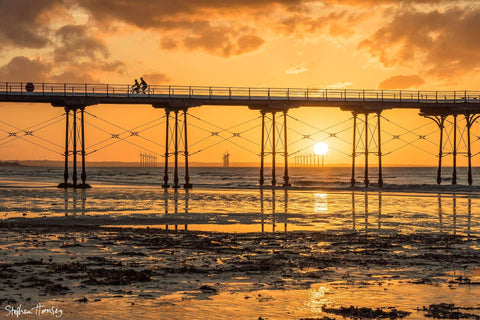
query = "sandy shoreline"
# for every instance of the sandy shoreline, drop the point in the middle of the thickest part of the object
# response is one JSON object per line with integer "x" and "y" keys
{"x": 75, "y": 262}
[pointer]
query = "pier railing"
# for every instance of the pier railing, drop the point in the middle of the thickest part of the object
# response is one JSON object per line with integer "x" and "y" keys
{"x": 237, "y": 93}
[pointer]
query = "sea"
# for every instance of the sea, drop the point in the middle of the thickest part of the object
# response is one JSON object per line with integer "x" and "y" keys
{"x": 231, "y": 200}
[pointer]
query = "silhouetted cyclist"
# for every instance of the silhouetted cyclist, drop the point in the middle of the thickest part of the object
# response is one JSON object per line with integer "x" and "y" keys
{"x": 143, "y": 85}
{"x": 136, "y": 87}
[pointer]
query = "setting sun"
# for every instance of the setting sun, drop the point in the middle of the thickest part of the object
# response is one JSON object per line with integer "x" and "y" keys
{"x": 320, "y": 148}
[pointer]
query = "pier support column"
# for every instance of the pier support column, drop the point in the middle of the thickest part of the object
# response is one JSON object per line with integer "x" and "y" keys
{"x": 74, "y": 173}
{"x": 262, "y": 152}
{"x": 469, "y": 155}
{"x": 441, "y": 125}
{"x": 165, "y": 184}
{"x": 440, "y": 121}
{"x": 454, "y": 173}
{"x": 84, "y": 183}
{"x": 175, "y": 170}
{"x": 379, "y": 137}
{"x": 274, "y": 144}
{"x": 65, "y": 183}
{"x": 286, "y": 179}
{"x": 354, "y": 144}
{"x": 361, "y": 135}
{"x": 174, "y": 143}
{"x": 470, "y": 120}
{"x": 274, "y": 134}
{"x": 187, "y": 184}
{"x": 366, "y": 150}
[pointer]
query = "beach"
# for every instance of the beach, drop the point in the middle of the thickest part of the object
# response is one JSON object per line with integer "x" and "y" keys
{"x": 80, "y": 269}
{"x": 133, "y": 251}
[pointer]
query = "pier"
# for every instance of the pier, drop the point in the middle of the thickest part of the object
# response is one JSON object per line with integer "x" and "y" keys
{"x": 272, "y": 104}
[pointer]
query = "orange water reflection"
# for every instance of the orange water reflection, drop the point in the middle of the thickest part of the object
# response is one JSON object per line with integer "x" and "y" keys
{"x": 252, "y": 210}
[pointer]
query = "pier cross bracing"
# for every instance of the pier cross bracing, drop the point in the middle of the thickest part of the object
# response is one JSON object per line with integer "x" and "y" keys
{"x": 273, "y": 105}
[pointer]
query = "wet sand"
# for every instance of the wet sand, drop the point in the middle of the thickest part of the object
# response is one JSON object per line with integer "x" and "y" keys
{"x": 117, "y": 269}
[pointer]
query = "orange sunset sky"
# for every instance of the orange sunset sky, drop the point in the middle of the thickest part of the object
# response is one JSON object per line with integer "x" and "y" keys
{"x": 356, "y": 44}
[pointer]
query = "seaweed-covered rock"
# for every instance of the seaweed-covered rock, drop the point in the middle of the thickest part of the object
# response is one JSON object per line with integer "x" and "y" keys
{"x": 447, "y": 311}
{"x": 366, "y": 313}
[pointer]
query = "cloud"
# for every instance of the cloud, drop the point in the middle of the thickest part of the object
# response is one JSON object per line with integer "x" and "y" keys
{"x": 214, "y": 26}
{"x": 446, "y": 42}
{"x": 75, "y": 74}
{"x": 402, "y": 82}
{"x": 156, "y": 78}
{"x": 76, "y": 42}
{"x": 24, "y": 23}
{"x": 81, "y": 56}
{"x": 370, "y": 3}
{"x": 217, "y": 40}
{"x": 297, "y": 69}
{"x": 339, "y": 85}
{"x": 24, "y": 69}
{"x": 21, "y": 68}
{"x": 87, "y": 72}
{"x": 336, "y": 23}
{"x": 156, "y": 14}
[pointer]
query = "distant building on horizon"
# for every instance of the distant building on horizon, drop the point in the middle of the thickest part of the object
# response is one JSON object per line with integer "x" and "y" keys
{"x": 226, "y": 160}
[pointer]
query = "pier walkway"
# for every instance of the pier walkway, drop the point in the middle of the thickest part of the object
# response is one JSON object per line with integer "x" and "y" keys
{"x": 64, "y": 94}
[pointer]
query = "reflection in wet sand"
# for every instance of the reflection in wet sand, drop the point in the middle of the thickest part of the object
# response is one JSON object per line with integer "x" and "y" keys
{"x": 469, "y": 217}
{"x": 440, "y": 213}
{"x": 71, "y": 202}
{"x": 252, "y": 210}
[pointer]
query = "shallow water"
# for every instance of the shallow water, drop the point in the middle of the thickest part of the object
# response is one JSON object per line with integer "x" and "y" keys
{"x": 239, "y": 177}
{"x": 248, "y": 210}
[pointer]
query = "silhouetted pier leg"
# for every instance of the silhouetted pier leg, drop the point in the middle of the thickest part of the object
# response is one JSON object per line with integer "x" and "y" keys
{"x": 175, "y": 170}
{"x": 187, "y": 184}
{"x": 380, "y": 177}
{"x": 440, "y": 121}
{"x": 274, "y": 144}
{"x": 74, "y": 173}
{"x": 469, "y": 155}
{"x": 65, "y": 183}
{"x": 354, "y": 144}
{"x": 470, "y": 119}
{"x": 262, "y": 152}
{"x": 84, "y": 172}
{"x": 286, "y": 179}
{"x": 454, "y": 173}
{"x": 167, "y": 129}
{"x": 366, "y": 150}
{"x": 441, "y": 125}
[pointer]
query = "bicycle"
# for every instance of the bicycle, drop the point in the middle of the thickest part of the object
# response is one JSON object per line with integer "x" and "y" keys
{"x": 135, "y": 89}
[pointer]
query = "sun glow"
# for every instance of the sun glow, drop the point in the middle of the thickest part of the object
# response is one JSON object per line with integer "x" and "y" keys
{"x": 320, "y": 148}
